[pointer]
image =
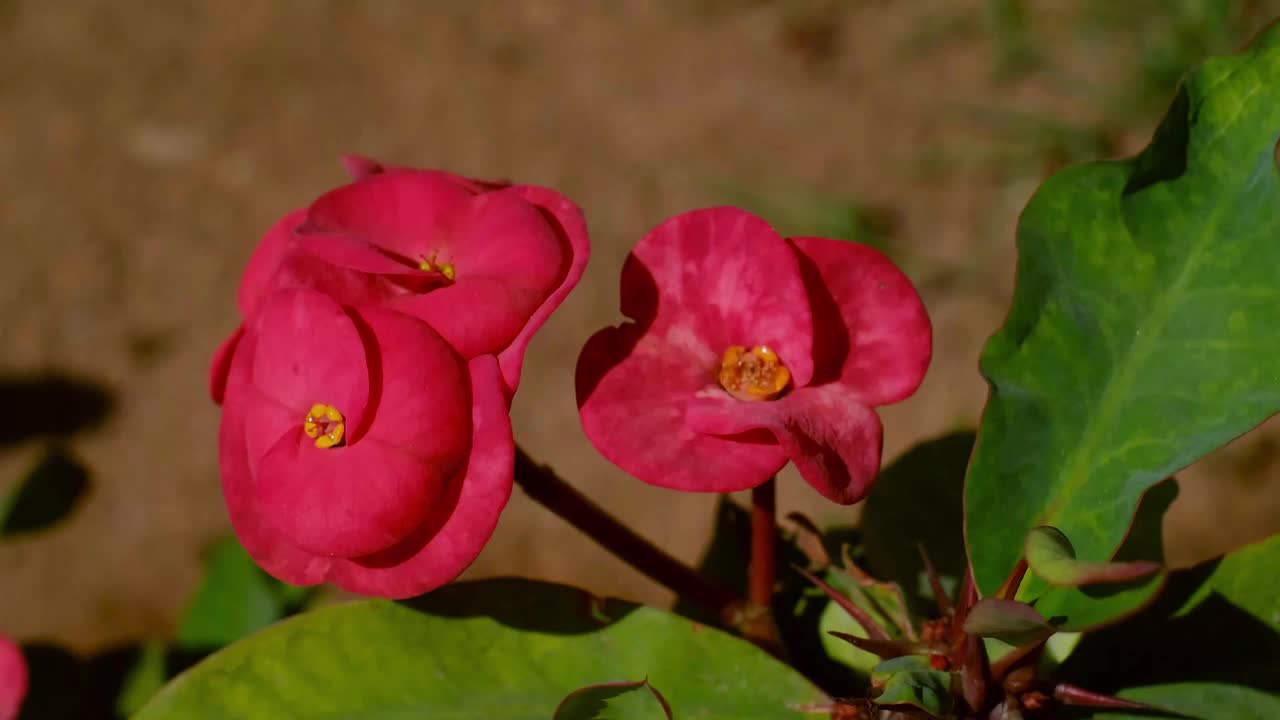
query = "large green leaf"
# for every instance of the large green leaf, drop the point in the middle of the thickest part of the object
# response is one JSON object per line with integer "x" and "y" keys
{"x": 1209, "y": 649}
{"x": 1142, "y": 333}
{"x": 509, "y": 649}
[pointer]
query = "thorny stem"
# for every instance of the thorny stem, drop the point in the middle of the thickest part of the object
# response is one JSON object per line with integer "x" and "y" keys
{"x": 759, "y": 625}
{"x": 547, "y": 489}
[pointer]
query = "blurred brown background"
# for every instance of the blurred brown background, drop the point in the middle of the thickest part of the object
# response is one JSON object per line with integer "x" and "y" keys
{"x": 144, "y": 147}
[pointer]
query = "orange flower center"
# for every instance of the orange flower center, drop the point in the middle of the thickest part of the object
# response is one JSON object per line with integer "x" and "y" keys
{"x": 753, "y": 375}
{"x": 326, "y": 425}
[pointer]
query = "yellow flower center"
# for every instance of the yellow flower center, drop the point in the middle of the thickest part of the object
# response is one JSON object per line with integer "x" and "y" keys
{"x": 432, "y": 265}
{"x": 325, "y": 424}
{"x": 752, "y": 375}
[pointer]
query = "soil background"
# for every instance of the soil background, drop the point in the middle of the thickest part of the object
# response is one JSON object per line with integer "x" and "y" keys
{"x": 144, "y": 148}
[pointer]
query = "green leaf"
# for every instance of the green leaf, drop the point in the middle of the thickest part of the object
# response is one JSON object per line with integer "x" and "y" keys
{"x": 1010, "y": 622}
{"x": 1141, "y": 332}
{"x": 614, "y": 701}
{"x": 47, "y": 494}
{"x": 235, "y": 599}
{"x": 910, "y": 680}
{"x": 1051, "y": 556}
{"x": 148, "y": 674}
{"x": 917, "y": 501}
{"x": 496, "y": 648}
{"x": 1247, "y": 579}
{"x": 1077, "y": 609}
{"x": 880, "y": 601}
{"x": 1209, "y": 648}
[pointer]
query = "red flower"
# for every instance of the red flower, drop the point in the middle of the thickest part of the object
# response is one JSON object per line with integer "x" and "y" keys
{"x": 484, "y": 263}
{"x": 13, "y": 679}
{"x": 747, "y": 350}
{"x": 358, "y": 446}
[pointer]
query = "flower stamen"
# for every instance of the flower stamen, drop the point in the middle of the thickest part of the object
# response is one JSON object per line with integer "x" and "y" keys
{"x": 326, "y": 424}
{"x": 753, "y": 375}
{"x": 432, "y": 265}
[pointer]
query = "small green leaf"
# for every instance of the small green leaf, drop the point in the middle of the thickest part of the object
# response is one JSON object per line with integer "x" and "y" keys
{"x": 47, "y": 494}
{"x": 1011, "y": 622}
{"x": 510, "y": 649}
{"x": 235, "y": 599}
{"x": 1140, "y": 336}
{"x": 148, "y": 674}
{"x": 1247, "y": 579}
{"x": 614, "y": 701}
{"x": 1051, "y": 557}
{"x": 911, "y": 681}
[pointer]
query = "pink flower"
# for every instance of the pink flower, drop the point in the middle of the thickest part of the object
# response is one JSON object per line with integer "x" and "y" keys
{"x": 357, "y": 446}
{"x": 745, "y": 351}
{"x": 13, "y": 679}
{"x": 485, "y": 263}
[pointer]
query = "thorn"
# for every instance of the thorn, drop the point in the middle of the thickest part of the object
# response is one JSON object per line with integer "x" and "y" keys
{"x": 935, "y": 583}
{"x": 809, "y": 541}
{"x": 863, "y": 618}
{"x": 886, "y": 649}
{"x": 1072, "y": 695}
{"x": 1009, "y": 590}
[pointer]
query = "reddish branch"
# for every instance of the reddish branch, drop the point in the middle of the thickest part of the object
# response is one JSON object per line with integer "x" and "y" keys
{"x": 546, "y": 488}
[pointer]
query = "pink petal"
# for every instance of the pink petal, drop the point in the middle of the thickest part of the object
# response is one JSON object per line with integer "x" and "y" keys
{"x": 724, "y": 276}
{"x": 277, "y": 556}
{"x": 507, "y": 260}
{"x": 634, "y": 390}
{"x": 423, "y": 397}
{"x": 345, "y": 251}
{"x": 13, "y": 679}
{"x": 833, "y": 439}
{"x": 309, "y": 352}
{"x": 361, "y": 167}
{"x": 407, "y": 213}
{"x": 462, "y": 520}
{"x": 221, "y": 365}
{"x": 259, "y": 276}
{"x": 571, "y": 229}
{"x": 869, "y": 322}
{"x": 344, "y": 501}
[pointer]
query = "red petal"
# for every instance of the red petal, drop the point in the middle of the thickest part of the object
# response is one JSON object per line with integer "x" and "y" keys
{"x": 259, "y": 276}
{"x": 277, "y": 556}
{"x": 309, "y": 352}
{"x": 634, "y": 389}
{"x": 834, "y": 440}
{"x": 871, "y": 329}
{"x": 508, "y": 260}
{"x": 462, "y": 520}
{"x": 423, "y": 398}
{"x": 221, "y": 365}
{"x": 724, "y": 277}
{"x": 407, "y": 213}
{"x": 571, "y": 229}
{"x": 345, "y": 501}
{"x": 13, "y": 679}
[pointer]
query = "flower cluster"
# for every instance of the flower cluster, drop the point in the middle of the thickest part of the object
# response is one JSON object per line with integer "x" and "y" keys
{"x": 745, "y": 351}
{"x": 365, "y": 437}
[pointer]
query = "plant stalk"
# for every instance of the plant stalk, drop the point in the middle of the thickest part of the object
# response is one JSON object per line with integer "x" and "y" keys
{"x": 546, "y": 488}
{"x": 759, "y": 624}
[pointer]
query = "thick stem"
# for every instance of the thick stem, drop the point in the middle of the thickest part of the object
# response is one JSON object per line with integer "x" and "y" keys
{"x": 546, "y": 488}
{"x": 759, "y": 625}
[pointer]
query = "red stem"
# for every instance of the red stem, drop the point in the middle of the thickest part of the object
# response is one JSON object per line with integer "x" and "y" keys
{"x": 546, "y": 488}
{"x": 764, "y": 555}
{"x": 758, "y": 624}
